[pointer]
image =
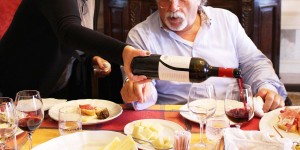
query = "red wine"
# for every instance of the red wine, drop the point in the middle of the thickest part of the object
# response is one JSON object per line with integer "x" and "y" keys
{"x": 179, "y": 68}
{"x": 242, "y": 94}
{"x": 29, "y": 123}
{"x": 239, "y": 115}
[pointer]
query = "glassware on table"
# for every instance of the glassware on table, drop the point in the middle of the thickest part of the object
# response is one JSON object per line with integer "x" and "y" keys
{"x": 214, "y": 127}
{"x": 30, "y": 111}
{"x": 201, "y": 105}
{"x": 69, "y": 120}
{"x": 238, "y": 105}
{"x": 182, "y": 140}
{"x": 8, "y": 120}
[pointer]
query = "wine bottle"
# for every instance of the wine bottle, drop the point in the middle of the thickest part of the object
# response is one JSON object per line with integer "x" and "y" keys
{"x": 179, "y": 68}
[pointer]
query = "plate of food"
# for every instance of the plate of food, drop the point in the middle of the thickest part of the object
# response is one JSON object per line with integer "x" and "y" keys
{"x": 284, "y": 121}
{"x": 94, "y": 111}
{"x": 90, "y": 140}
{"x": 156, "y": 131}
{"x": 184, "y": 112}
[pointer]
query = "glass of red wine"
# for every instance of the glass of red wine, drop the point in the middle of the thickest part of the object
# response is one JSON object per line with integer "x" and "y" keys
{"x": 30, "y": 112}
{"x": 239, "y": 107}
{"x": 8, "y": 120}
{"x": 201, "y": 105}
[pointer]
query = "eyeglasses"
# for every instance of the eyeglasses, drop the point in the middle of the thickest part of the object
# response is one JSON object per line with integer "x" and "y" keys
{"x": 166, "y": 3}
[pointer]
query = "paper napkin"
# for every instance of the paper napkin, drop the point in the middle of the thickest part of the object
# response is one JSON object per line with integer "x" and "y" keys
{"x": 258, "y": 106}
{"x": 237, "y": 139}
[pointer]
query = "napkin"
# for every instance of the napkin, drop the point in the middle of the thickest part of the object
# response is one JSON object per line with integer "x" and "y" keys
{"x": 237, "y": 139}
{"x": 258, "y": 106}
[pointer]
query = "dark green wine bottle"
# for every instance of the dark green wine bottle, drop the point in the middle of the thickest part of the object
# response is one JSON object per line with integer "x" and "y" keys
{"x": 179, "y": 68}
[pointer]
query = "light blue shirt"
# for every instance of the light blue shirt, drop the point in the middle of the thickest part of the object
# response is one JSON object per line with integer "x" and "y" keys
{"x": 221, "y": 41}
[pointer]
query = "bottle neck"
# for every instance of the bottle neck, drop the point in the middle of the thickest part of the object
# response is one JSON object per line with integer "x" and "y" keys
{"x": 225, "y": 72}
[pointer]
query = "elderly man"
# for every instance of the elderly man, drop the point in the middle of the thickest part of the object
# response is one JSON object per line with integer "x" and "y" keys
{"x": 188, "y": 28}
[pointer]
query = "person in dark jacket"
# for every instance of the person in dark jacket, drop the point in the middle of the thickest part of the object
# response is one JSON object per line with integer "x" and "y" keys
{"x": 39, "y": 45}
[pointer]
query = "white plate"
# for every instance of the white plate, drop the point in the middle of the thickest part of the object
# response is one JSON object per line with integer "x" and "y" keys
{"x": 270, "y": 119}
{"x": 49, "y": 102}
{"x": 220, "y": 111}
{"x": 88, "y": 140}
{"x": 169, "y": 129}
{"x": 114, "y": 109}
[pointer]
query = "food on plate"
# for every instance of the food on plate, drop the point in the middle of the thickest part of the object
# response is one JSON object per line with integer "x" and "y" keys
{"x": 289, "y": 120}
{"x": 91, "y": 112}
{"x": 102, "y": 113}
{"x": 297, "y": 146}
{"x": 162, "y": 143}
{"x": 126, "y": 143}
{"x": 87, "y": 109}
{"x": 147, "y": 131}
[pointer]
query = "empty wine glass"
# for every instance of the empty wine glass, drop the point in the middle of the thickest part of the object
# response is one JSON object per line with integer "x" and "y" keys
{"x": 8, "y": 120}
{"x": 239, "y": 107}
{"x": 201, "y": 105}
{"x": 30, "y": 111}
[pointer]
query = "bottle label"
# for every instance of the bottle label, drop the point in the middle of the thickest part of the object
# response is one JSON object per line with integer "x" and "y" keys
{"x": 174, "y": 68}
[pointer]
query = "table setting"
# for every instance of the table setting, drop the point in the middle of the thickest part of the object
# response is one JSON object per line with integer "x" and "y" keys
{"x": 120, "y": 124}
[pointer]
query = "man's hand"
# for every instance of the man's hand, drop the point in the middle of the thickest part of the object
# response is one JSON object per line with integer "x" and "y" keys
{"x": 135, "y": 91}
{"x": 272, "y": 99}
{"x": 128, "y": 53}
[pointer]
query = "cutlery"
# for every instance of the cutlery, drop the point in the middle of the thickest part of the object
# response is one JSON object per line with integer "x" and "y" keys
{"x": 277, "y": 132}
{"x": 294, "y": 142}
{"x": 140, "y": 141}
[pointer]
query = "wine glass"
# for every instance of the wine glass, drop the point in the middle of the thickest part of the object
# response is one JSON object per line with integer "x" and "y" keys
{"x": 238, "y": 105}
{"x": 8, "y": 120}
{"x": 30, "y": 111}
{"x": 201, "y": 105}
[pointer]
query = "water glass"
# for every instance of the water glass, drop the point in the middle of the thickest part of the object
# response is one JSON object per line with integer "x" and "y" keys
{"x": 215, "y": 126}
{"x": 69, "y": 120}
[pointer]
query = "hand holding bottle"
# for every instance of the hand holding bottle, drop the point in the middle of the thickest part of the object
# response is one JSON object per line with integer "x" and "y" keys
{"x": 129, "y": 53}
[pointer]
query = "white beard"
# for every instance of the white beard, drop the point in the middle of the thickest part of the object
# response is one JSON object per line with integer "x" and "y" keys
{"x": 176, "y": 15}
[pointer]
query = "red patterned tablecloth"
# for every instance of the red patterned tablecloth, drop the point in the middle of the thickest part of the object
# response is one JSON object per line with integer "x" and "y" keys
{"x": 166, "y": 112}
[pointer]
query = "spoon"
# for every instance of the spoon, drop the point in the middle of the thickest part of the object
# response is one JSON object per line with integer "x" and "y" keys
{"x": 140, "y": 141}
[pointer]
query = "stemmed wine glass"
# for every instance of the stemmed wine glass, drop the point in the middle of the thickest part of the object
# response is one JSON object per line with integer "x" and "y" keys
{"x": 201, "y": 105}
{"x": 238, "y": 105}
{"x": 8, "y": 120}
{"x": 30, "y": 111}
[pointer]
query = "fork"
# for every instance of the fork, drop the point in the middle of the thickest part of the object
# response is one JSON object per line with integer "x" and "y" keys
{"x": 140, "y": 141}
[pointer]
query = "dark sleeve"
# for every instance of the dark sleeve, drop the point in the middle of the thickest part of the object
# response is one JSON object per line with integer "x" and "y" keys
{"x": 64, "y": 18}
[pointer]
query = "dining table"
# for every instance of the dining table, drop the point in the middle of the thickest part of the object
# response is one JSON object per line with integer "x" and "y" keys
{"x": 49, "y": 127}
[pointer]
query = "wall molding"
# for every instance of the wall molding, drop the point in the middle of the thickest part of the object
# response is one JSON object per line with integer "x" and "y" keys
{"x": 290, "y": 14}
